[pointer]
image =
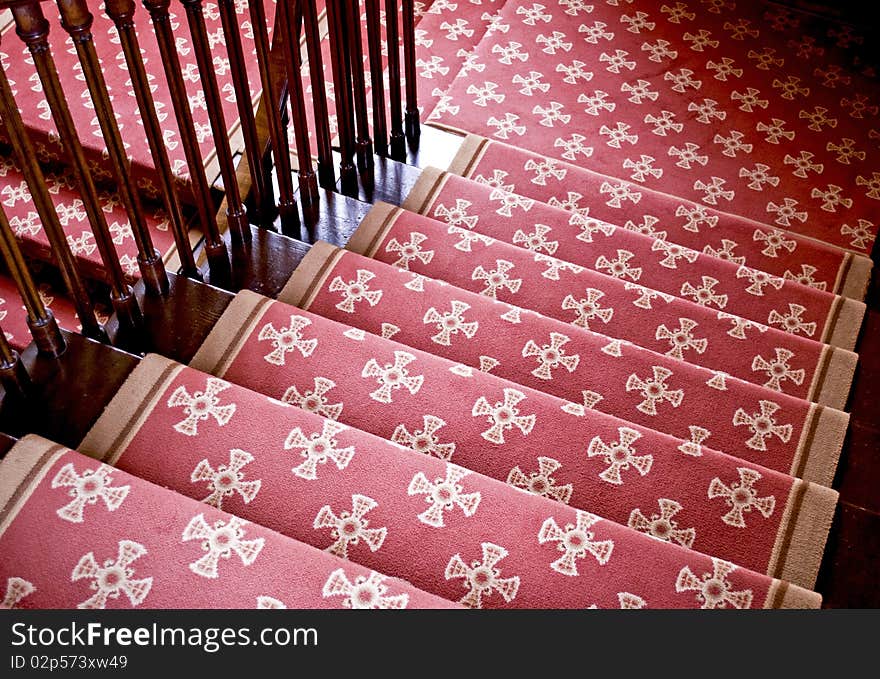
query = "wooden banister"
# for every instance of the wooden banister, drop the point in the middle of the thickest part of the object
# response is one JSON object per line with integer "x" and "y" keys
{"x": 215, "y": 248}
{"x": 33, "y": 29}
{"x": 235, "y": 212}
{"x": 363, "y": 143}
{"x": 13, "y": 376}
{"x": 398, "y": 141}
{"x": 340, "y": 63}
{"x": 326, "y": 173}
{"x": 121, "y": 12}
{"x": 409, "y": 64}
{"x": 43, "y": 326}
{"x": 377, "y": 82}
{"x": 36, "y": 181}
{"x": 77, "y": 21}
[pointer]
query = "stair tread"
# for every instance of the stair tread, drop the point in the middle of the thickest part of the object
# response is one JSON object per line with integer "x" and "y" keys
{"x": 624, "y": 253}
{"x": 386, "y": 487}
{"x": 814, "y": 201}
{"x": 677, "y": 220}
{"x": 162, "y": 541}
{"x": 545, "y": 285}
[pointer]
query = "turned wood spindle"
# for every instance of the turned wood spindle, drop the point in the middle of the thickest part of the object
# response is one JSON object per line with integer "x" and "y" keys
{"x": 235, "y": 212}
{"x": 261, "y": 192}
{"x": 43, "y": 326}
{"x": 374, "y": 48}
{"x": 289, "y": 23}
{"x": 363, "y": 143}
{"x": 340, "y": 63}
{"x": 409, "y": 64}
{"x": 277, "y": 136}
{"x": 215, "y": 248}
{"x": 326, "y": 173}
{"x": 33, "y": 29}
{"x": 398, "y": 141}
{"x": 122, "y": 14}
{"x": 36, "y": 181}
{"x": 77, "y": 21}
{"x": 13, "y": 376}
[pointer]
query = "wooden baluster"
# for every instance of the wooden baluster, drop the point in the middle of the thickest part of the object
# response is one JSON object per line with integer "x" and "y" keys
{"x": 409, "y": 64}
{"x": 363, "y": 143}
{"x": 289, "y": 23}
{"x": 277, "y": 135}
{"x": 215, "y": 247}
{"x": 261, "y": 193}
{"x": 40, "y": 320}
{"x": 326, "y": 173}
{"x": 342, "y": 89}
{"x": 13, "y": 375}
{"x": 398, "y": 141}
{"x": 235, "y": 212}
{"x": 374, "y": 47}
{"x": 33, "y": 29}
{"x": 122, "y": 14}
{"x": 77, "y": 21}
{"x": 36, "y": 181}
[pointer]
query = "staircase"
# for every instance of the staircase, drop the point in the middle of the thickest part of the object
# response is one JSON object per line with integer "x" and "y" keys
{"x": 604, "y": 310}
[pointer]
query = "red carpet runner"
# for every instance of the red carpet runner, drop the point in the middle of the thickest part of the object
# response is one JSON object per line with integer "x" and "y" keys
{"x": 676, "y": 220}
{"x": 538, "y": 352}
{"x": 618, "y": 308}
{"x": 701, "y": 100}
{"x": 439, "y": 526}
{"x": 596, "y": 462}
{"x": 630, "y": 256}
{"x": 117, "y": 541}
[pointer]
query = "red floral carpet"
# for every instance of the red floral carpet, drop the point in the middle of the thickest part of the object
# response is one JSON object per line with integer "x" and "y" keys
{"x": 117, "y": 541}
{"x": 723, "y": 103}
{"x": 444, "y": 528}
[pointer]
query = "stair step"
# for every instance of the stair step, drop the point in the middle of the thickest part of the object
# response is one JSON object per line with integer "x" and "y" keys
{"x": 758, "y": 106}
{"x": 171, "y": 551}
{"x": 383, "y": 506}
{"x": 583, "y": 297}
{"x": 27, "y": 226}
{"x": 13, "y": 316}
{"x": 31, "y": 99}
{"x": 676, "y": 220}
{"x": 626, "y": 254}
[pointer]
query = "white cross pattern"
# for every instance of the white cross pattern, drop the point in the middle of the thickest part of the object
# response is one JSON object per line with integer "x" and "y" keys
{"x": 220, "y": 541}
{"x": 287, "y": 339}
{"x": 555, "y": 266}
{"x": 16, "y": 590}
{"x": 620, "y": 268}
{"x": 661, "y": 526}
{"x": 200, "y": 406}
{"x": 227, "y": 479}
{"x": 793, "y": 321}
{"x": 681, "y": 339}
{"x": 410, "y": 251}
{"x": 620, "y": 455}
{"x": 392, "y": 376}
{"x": 758, "y": 280}
{"x": 425, "y": 440}
{"x": 509, "y": 201}
{"x": 457, "y": 216}
{"x": 588, "y": 308}
{"x": 551, "y": 356}
{"x": 704, "y": 294}
{"x": 503, "y": 415}
{"x": 544, "y": 169}
{"x": 450, "y": 323}
{"x": 714, "y": 590}
{"x": 541, "y": 482}
{"x": 113, "y": 577}
{"x": 778, "y": 370}
{"x": 654, "y": 390}
{"x": 672, "y": 253}
{"x": 355, "y": 291}
{"x": 575, "y": 541}
{"x": 318, "y": 449}
{"x": 443, "y": 495}
{"x": 314, "y": 400}
{"x": 762, "y": 425}
{"x": 86, "y": 489}
{"x": 482, "y": 578}
{"x": 364, "y": 592}
{"x": 351, "y": 527}
{"x": 496, "y": 279}
{"x": 537, "y": 240}
{"x": 694, "y": 446}
{"x": 742, "y": 497}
